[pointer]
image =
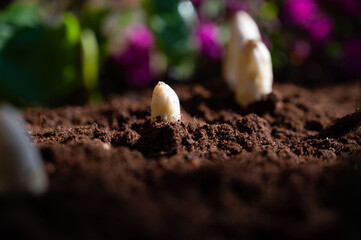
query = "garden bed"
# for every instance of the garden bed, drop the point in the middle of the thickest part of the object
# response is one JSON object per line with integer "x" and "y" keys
{"x": 284, "y": 167}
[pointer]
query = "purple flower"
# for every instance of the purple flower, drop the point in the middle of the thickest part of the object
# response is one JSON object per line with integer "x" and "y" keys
{"x": 139, "y": 37}
{"x": 307, "y": 15}
{"x": 207, "y": 36}
{"x": 300, "y": 12}
{"x": 135, "y": 58}
{"x": 352, "y": 55}
{"x": 135, "y": 64}
{"x": 320, "y": 28}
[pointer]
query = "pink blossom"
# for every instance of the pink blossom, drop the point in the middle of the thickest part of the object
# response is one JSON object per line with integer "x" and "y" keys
{"x": 300, "y": 12}
{"x": 139, "y": 36}
{"x": 207, "y": 35}
{"x": 320, "y": 28}
{"x": 135, "y": 58}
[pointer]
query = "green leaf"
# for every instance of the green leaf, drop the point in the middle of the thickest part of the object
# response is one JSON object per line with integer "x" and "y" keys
{"x": 39, "y": 64}
{"x": 72, "y": 28}
{"x": 93, "y": 18}
{"x": 20, "y": 14}
{"x": 212, "y": 8}
{"x": 173, "y": 36}
{"x": 90, "y": 58}
{"x": 269, "y": 10}
{"x": 15, "y": 16}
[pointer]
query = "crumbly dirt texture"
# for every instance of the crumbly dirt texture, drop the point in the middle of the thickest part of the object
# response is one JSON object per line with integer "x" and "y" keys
{"x": 285, "y": 167}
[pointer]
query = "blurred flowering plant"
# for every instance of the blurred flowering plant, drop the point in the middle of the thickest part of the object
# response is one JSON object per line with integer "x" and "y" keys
{"x": 328, "y": 30}
{"x": 207, "y": 35}
{"x": 311, "y": 41}
{"x": 135, "y": 58}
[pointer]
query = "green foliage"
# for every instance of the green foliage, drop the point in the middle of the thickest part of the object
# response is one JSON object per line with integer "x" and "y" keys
{"x": 172, "y": 36}
{"x": 72, "y": 28}
{"x": 269, "y": 10}
{"x": 212, "y": 8}
{"x": 93, "y": 19}
{"x": 38, "y": 64}
{"x": 89, "y": 54}
{"x": 16, "y": 16}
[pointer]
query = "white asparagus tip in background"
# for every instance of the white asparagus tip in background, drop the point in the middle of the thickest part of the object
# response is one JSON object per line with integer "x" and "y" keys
{"x": 21, "y": 166}
{"x": 242, "y": 29}
{"x": 255, "y": 76}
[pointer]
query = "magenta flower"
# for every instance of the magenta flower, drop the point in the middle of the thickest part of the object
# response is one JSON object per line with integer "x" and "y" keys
{"x": 135, "y": 58}
{"x": 140, "y": 37}
{"x": 300, "y": 12}
{"x": 207, "y": 36}
{"x": 320, "y": 28}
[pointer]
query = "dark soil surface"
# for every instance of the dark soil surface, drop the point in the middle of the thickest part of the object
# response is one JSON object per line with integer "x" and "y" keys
{"x": 286, "y": 167}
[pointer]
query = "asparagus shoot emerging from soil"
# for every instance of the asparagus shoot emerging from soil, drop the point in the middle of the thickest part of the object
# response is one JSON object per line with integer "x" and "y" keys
{"x": 255, "y": 75}
{"x": 247, "y": 65}
{"x": 165, "y": 104}
{"x": 21, "y": 167}
{"x": 242, "y": 29}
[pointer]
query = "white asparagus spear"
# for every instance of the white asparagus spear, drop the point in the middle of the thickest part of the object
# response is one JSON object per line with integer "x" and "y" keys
{"x": 242, "y": 29}
{"x": 21, "y": 166}
{"x": 165, "y": 104}
{"x": 255, "y": 76}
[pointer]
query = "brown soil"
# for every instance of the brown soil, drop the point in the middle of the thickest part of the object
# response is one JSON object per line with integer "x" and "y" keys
{"x": 285, "y": 167}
